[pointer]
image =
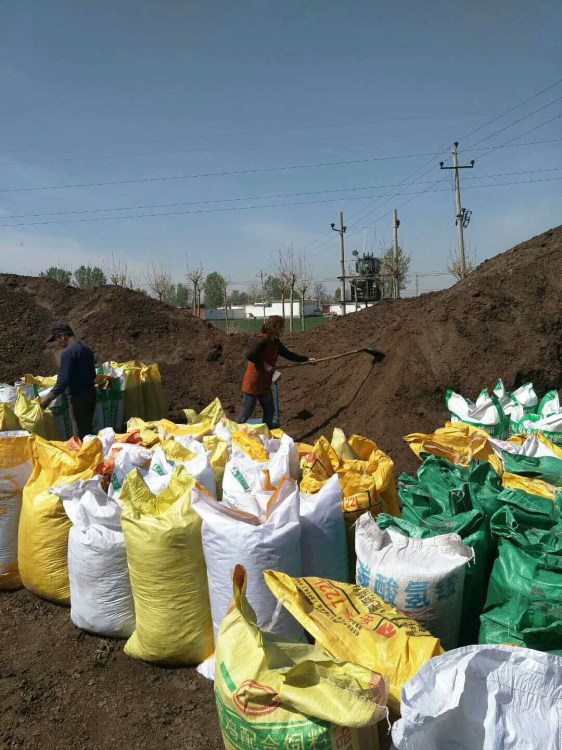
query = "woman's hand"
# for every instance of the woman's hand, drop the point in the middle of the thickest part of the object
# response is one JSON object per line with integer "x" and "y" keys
{"x": 268, "y": 368}
{"x": 311, "y": 361}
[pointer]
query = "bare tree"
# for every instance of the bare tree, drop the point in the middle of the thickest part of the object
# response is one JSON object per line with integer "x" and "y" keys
{"x": 196, "y": 277}
{"x": 455, "y": 267}
{"x": 253, "y": 292}
{"x": 284, "y": 275}
{"x": 303, "y": 283}
{"x": 159, "y": 280}
{"x": 320, "y": 293}
{"x": 287, "y": 274}
{"x": 117, "y": 272}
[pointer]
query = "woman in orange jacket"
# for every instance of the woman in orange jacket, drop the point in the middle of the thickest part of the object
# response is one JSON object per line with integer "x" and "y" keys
{"x": 262, "y": 357}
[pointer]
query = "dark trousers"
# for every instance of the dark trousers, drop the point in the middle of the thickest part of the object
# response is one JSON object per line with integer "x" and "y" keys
{"x": 82, "y": 410}
{"x": 249, "y": 404}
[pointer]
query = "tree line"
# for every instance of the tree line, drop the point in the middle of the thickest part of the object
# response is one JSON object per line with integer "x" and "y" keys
{"x": 291, "y": 281}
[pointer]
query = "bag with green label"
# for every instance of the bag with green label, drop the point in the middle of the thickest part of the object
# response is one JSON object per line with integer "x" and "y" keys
{"x": 273, "y": 693}
{"x": 473, "y": 530}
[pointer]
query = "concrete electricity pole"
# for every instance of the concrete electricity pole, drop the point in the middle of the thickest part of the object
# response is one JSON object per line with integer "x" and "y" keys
{"x": 462, "y": 215}
{"x": 341, "y": 232}
{"x": 395, "y": 225}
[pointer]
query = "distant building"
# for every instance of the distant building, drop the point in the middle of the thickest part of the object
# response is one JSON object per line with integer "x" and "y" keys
{"x": 241, "y": 312}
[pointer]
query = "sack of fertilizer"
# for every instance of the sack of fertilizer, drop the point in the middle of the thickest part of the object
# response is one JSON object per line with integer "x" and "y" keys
{"x": 550, "y": 426}
{"x": 274, "y": 694}
{"x": 486, "y": 414}
{"x": 323, "y": 533}
{"x": 232, "y": 537}
{"x": 170, "y": 454}
{"x": 244, "y": 475}
{"x": 101, "y": 600}
{"x": 525, "y": 396}
{"x": 129, "y": 457}
{"x": 424, "y": 578}
{"x": 483, "y": 698}
{"x": 15, "y": 470}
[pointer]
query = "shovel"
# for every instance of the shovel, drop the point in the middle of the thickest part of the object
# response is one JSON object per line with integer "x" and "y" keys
{"x": 375, "y": 354}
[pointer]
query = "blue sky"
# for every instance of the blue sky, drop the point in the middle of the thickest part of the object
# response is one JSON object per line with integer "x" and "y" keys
{"x": 139, "y": 91}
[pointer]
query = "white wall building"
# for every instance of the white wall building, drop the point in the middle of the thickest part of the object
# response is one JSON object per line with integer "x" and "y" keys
{"x": 239, "y": 312}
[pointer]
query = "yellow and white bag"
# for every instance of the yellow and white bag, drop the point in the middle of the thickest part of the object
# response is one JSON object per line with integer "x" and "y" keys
{"x": 15, "y": 470}
{"x": 167, "y": 571}
{"x": 44, "y": 526}
{"x": 354, "y": 624}
{"x": 272, "y": 693}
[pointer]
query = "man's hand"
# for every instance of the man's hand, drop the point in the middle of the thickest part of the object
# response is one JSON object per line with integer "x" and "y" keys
{"x": 45, "y": 402}
{"x": 311, "y": 361}
{"x": 268, "y": 368}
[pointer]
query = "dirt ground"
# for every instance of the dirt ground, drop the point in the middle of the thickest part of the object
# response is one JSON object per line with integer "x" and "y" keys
{"x": 60, "y": 688}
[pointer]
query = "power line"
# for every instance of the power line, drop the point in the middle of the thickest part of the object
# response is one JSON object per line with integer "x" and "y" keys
{"x": 268, "y": 205}
{"x": 247, "y": 132}
{"x": 517, "y": 106}
{"x": 516, "y": 122}
{"x": 224, "y": 147}
{"x": 213, "y": 174}
{"x": 260, "y": 197}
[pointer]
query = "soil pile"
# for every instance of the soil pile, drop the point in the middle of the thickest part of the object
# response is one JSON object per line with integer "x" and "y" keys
{"x": 504, "y": 320}
{"x": 197, "y": 360}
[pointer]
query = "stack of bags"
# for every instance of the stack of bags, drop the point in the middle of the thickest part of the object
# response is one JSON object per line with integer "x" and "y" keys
{"x": 503, "y": 414}
{"x": 126, "y": 390}
{"x": 515, "y": 488}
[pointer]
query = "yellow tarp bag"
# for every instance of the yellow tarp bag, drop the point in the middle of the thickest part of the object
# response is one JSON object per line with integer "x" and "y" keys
{"x": 15, "y": 470}
{"x": 342, "y": 447}
{"x": 168, "y": 573}
{"x": 318, "y": 466}
{"x": 197, "y": 430}
{"x": 174, "y": 451}
{"x": 532, "y": 486}
{"x": 153, "y": 397}
{"x": 219, "y": 457}
{"x": 275, "y": 694}
{"x": 304, "y": 449}
{"x": 136, "y": 423}
{"x": 251, "y": 446}
{"x": 44, "y": 526}
{"x": 133, "y": 403}
{"x": 41, "y": 382}
{"x": 33, "y": 418}
{"x": 352, "y": 623}
{"x": 367, "y": 482}
{"x": 457, "y": 442}
{"x": 8, "y": 420}
{"x": 213, "y": 413}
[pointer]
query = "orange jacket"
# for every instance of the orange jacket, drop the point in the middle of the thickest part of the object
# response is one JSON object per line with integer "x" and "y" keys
{"x": 264, "y": 350}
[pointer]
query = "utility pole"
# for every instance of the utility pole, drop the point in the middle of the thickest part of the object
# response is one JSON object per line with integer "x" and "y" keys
{"x": 417, "y": 285}
{"x": 262, "y": 295}
{"x": 341, "y": 232}
{"x": 395, "y": 225}
{"x": 462, "y": 215}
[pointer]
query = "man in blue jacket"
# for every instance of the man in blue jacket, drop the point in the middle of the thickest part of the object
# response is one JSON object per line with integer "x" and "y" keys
{"x": 77, "y": 377}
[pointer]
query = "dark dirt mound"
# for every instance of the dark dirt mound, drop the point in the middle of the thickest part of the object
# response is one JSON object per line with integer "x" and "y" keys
{"x": 504, "y": 320}
{"x": 61, "y": 688}
{"x": 197, "y": 360}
